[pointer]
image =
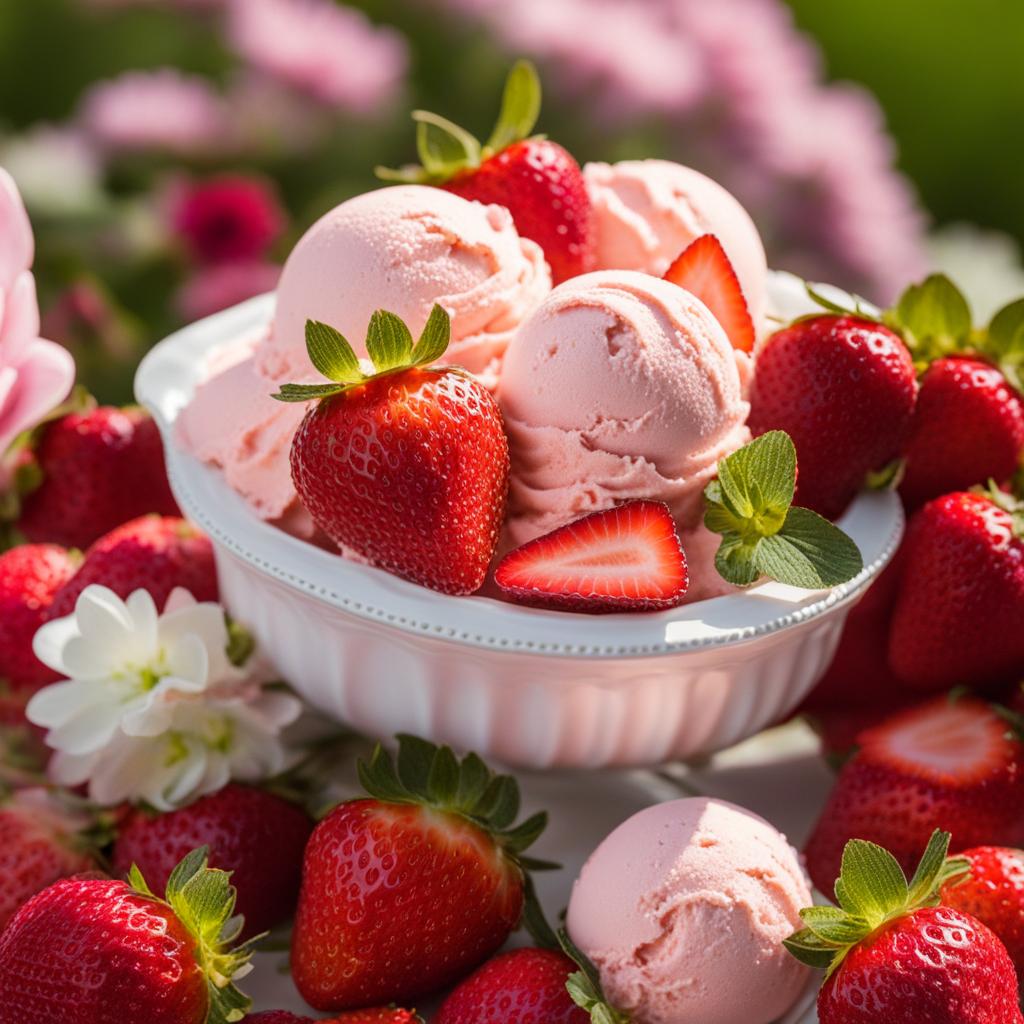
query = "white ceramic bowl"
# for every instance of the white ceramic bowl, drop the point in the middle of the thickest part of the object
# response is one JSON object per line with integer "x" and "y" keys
{"x": 526, "y": 687}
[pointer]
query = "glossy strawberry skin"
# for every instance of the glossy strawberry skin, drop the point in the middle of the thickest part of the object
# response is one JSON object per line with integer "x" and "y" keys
{"x": 843, "y": 388}
{"x": 961, "y": 602}
{"x": 100, "y": 468}
{"x": 523, "y": 986}
{"x": 151, "y": 553}
{"x": 30, "y": 577}
{"x": 398, "y": 901}
{"x": 994, "y": 894}
{"x": 380, "y": 1015}
{"x": 37, "y": 848}
{"x": 542, "y": 186}
{"x": 411, "y": 472}
{"x": 132, "y": 959}
{"x": 898, "y": 806}
{"x": 936, "y": 966}
{"x": 257, "y": 836}
{"x": 968, "y": 429}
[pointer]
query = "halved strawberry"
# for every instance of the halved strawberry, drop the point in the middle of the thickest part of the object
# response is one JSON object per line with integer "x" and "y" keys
{"x": 627, "y": 558}
{"x": 704, "y": 270}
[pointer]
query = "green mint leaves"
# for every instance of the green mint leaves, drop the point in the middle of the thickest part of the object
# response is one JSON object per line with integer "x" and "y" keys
{"x": 446, "y": 150}
{"x": 751, "y": 506}
{"x": 388, "y": 342}
{"x": 871, "y": 891}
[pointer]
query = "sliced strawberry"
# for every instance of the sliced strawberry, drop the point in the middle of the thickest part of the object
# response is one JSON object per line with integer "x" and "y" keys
{"x": 627, "y": 558}
{"x": 704, "y": 270}
{"x": 951, "y": 743}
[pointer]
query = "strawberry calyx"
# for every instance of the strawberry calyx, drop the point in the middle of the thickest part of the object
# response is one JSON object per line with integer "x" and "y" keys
{"x": 872, "y": 891}
{"x": 203, "y": 899}
{"x": 750, "y": 504}
{"x": 1007, "y": 501}
{"x": 584, "y": 986}
{"x": 447, "y": 151}
{"x": 427, "y": 775}
{"x": 388, "y": 342}
{"x": 934, "y": 319}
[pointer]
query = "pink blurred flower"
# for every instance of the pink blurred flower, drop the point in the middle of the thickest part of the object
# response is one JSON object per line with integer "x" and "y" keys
{"x": 159, "y": 110}
{"x": 332, "y": 53}
{"x": 35, "y": 375}
{"x": 231, "y": 217}
{"x": 220, "y": 285}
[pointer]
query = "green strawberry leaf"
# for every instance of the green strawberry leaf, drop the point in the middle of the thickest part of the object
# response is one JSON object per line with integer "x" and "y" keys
{"x": 332, "y": 355}
{"x": 810, "y": 949}
{"x": 520, "y": 107}
{"x": 809, "y": 552}
{"x": 443, "y": 780}
{"x": 584, "y": 987}
{"x": 434, "y": 339}
{"x": 933, "y": 316}
{"x": 1004, "y": 342}
{"x": 388, "y": 341}
{"x": 306, "y": 392}
{"x": 750, "y": 505}
{"x": 444, "y": 148}
{"x": 833, "y": 925}
{"x": 873, "y": 881}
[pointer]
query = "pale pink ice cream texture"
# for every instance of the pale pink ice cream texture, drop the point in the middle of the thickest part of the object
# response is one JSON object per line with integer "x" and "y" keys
{"x": 646, "y": 212}
{"x": 401, "y": 249}
{"x": 683, "y": 909}
{"x": 621, "y": 386}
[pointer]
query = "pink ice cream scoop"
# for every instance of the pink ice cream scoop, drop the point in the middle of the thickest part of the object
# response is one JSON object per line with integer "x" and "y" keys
{"x": 647, "y": 211}
{"x": 619, "y": 386}
{"x": 401, "y": 249}
{"x": 683, "y": 909}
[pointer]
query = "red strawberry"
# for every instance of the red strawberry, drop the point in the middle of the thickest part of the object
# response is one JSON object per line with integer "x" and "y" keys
{"x": 994, "y": 894}
{"x": 88, "y": 950}
{"x": 256, "y": 836}
{"x": 537, "y": 180}
{"x": 30, "y": 577}
{"x": 99, "y": 469}
{"x": 41, "y": 841}
{"x": 407, "y": 891}
{"x": 152, "y": 553}
{"x": 523, "y": 986}
{"x": 843, "y": 387}
{"x": 893, "y": 954}
{"x": 948, "y": 763}
{"x": 704, "y": 270}
{"x": 961, "y": 601}
{"x": 408, "y": 468}
{"x": 627, "y": 558}
{"x": 377, "y": 1015}
{"x": 968, "y": 429}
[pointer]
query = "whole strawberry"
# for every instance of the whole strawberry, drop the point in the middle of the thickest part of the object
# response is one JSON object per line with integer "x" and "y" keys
{"x": 408, "y": 467}
{"x": 88, "y": 950}
{"x": 99, "y": 468}
{"x": 994, "y": 894}
{"x": 954, "y": 764}
{"x": 961, "y": 601}
{"x": 153, "y": 553}
{"x": 968, "y": 429}
{"x": 408, "y": 890}
{"x": 892, "y": 954}
{"x": 843, "y": 388}
{"x": 539, "y": 182}
{"x": 30, "y": 577}
{"x": 256, "y": 836}
{"x": 41, "y": 841}
{"x": 523, "y": 986}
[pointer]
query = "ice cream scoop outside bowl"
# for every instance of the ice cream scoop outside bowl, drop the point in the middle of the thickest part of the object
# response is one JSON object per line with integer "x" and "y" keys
{"x": 527, "y": 687}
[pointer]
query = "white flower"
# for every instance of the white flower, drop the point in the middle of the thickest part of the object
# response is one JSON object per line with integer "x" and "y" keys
{"x": 152, "y": 707}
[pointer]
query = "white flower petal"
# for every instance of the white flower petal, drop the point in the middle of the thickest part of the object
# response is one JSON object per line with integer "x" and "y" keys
{"x": 87, "y": 732}
{"x": 178, "y": 598}
{"x": 54, "y": 705}
{"x": 142, "y": 609}
{"x": 188, "y": 659}
{"x": 71, "y": 769}
{"x": 50, "y": 639}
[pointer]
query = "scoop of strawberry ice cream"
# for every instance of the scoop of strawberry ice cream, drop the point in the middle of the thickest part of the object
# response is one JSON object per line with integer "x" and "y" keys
{"x": 404, "y": 249}
{"x": 683, "y": 910}
{"x": 647, "y": 211}
{"x": 619, "y": 386}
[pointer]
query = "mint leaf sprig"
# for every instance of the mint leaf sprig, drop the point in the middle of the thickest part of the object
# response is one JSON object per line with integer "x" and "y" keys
{"x": 871, "y": 891}
{"x": 388, "y": 342}
{"x": 763, "y": 533}
{"x": 934, "y": 319}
